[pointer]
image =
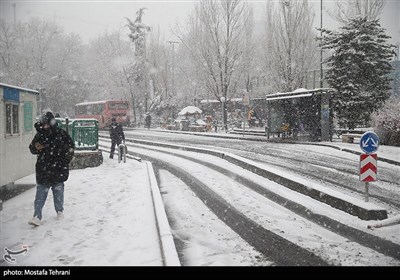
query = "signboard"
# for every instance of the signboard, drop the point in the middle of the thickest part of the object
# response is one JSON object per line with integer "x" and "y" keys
{"x": 368, "y": 167}
{"x": 11, "y": 94}
{"x": 369, "y": 142}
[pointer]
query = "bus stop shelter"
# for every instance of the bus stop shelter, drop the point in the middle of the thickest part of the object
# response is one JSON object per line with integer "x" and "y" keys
{"x": 301, "y": 113}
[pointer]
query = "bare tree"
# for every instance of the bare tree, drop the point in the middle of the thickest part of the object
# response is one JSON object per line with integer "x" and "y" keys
{"x": 66, "y": 76}
{"x": 37, "y": 54}
{"x": 107, "y": 59}
{"x": 249, "y": 49}
{"x": 290, "y": 49}
{"x": 216, "y": 43}
{"x": 125, "y": 65}
{"x": 157, "y": 57}
{"x": 24, "y": 50}
{"x": 344, "y": 10}
{"x": 8, "y": 49}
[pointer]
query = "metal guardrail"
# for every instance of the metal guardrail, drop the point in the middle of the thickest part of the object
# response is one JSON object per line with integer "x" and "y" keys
{"x": 84, "y": 132}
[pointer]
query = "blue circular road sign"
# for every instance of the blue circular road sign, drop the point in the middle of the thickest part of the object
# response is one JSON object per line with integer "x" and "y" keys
{"x": 369, "y": 142}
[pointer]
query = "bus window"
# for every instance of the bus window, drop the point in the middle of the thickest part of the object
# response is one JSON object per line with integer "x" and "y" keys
{"x": 98, "y": 109}
{"x": 118, "y": 105}
{"x": 101, "y": 108}
{"x": 80, "y": 110}
{"x": 89, "y": 109}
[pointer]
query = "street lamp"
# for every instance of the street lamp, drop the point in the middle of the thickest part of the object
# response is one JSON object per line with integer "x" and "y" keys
{"x": 173, "y": 64}
{"x": 192, "y": 94}
{"x": 223, "y": 112}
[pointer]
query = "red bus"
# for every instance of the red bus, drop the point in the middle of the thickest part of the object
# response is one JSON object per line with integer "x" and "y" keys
{"x": 103, "y": 111}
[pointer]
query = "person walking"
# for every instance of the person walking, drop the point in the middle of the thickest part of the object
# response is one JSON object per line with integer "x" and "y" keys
{"x": 54, "y": 149}
{"x": 116, "y": 134}
{"x": 215, "y": 124}
{"x": 148, "y": 120}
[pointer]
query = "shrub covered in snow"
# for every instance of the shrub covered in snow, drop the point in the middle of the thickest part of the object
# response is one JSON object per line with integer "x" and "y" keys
{"x": 387, "y": 122}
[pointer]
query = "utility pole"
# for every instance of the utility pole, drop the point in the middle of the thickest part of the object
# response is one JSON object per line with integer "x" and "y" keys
{"x": 325, "y": 130}
{"x": 173, "y": 64}
{"x": 15, "y": 13}
{"x": 321, "y": 77}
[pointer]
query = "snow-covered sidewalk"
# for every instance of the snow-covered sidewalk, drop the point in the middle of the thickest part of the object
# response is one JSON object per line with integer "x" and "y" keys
{"x": 387, "y": 152}
{"x": 109, "y": 221}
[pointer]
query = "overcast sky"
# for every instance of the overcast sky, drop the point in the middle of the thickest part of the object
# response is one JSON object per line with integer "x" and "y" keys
{"x": 92, "y": 18}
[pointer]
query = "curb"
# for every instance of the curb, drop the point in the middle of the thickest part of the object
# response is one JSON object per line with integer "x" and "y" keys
{"x": 168, "y": 249}
{"x": 355, "y": 209}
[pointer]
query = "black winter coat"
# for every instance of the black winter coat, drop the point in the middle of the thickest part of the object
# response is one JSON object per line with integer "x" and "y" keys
{"x": 116, "y": 132}
{"x": 148, "y": 120}
{"x": 52, "y": 161}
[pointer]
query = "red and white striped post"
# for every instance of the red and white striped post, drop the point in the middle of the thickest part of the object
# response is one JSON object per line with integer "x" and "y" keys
{"x": 368, "y": 170}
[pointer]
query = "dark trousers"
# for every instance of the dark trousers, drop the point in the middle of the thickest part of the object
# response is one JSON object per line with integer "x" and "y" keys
{"x": 113, "y": 143}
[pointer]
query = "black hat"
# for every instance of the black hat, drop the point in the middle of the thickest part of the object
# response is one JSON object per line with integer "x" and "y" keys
{"x": 47, "y": 118}
{"x": 113, "y": 119}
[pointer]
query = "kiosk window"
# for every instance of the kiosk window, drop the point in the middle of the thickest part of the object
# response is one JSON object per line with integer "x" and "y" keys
{"x": 28, "y": 116}
{"x": 12, "y": 122}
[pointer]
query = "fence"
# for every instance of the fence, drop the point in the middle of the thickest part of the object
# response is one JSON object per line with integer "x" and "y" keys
{"x": 84, "y": 132}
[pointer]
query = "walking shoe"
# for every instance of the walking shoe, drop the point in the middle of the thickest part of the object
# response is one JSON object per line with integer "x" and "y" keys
{"x": 35, "y": 222}
{"x": 60, "y": 215}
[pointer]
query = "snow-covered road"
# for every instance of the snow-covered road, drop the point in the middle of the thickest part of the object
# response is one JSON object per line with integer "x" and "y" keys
{"x": 338, "y": 170}
{"x": 187, "y": 225}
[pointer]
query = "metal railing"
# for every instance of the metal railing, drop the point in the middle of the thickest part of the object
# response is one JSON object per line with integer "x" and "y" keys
{"x": 84, "y": 132}
{"x": 121, "y": 153}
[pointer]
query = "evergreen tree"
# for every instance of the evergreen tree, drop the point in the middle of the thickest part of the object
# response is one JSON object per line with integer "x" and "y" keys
{"x": 138, "y": 71}
{"x": 138, "y": 33}
{"x": 358, "y": 69}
